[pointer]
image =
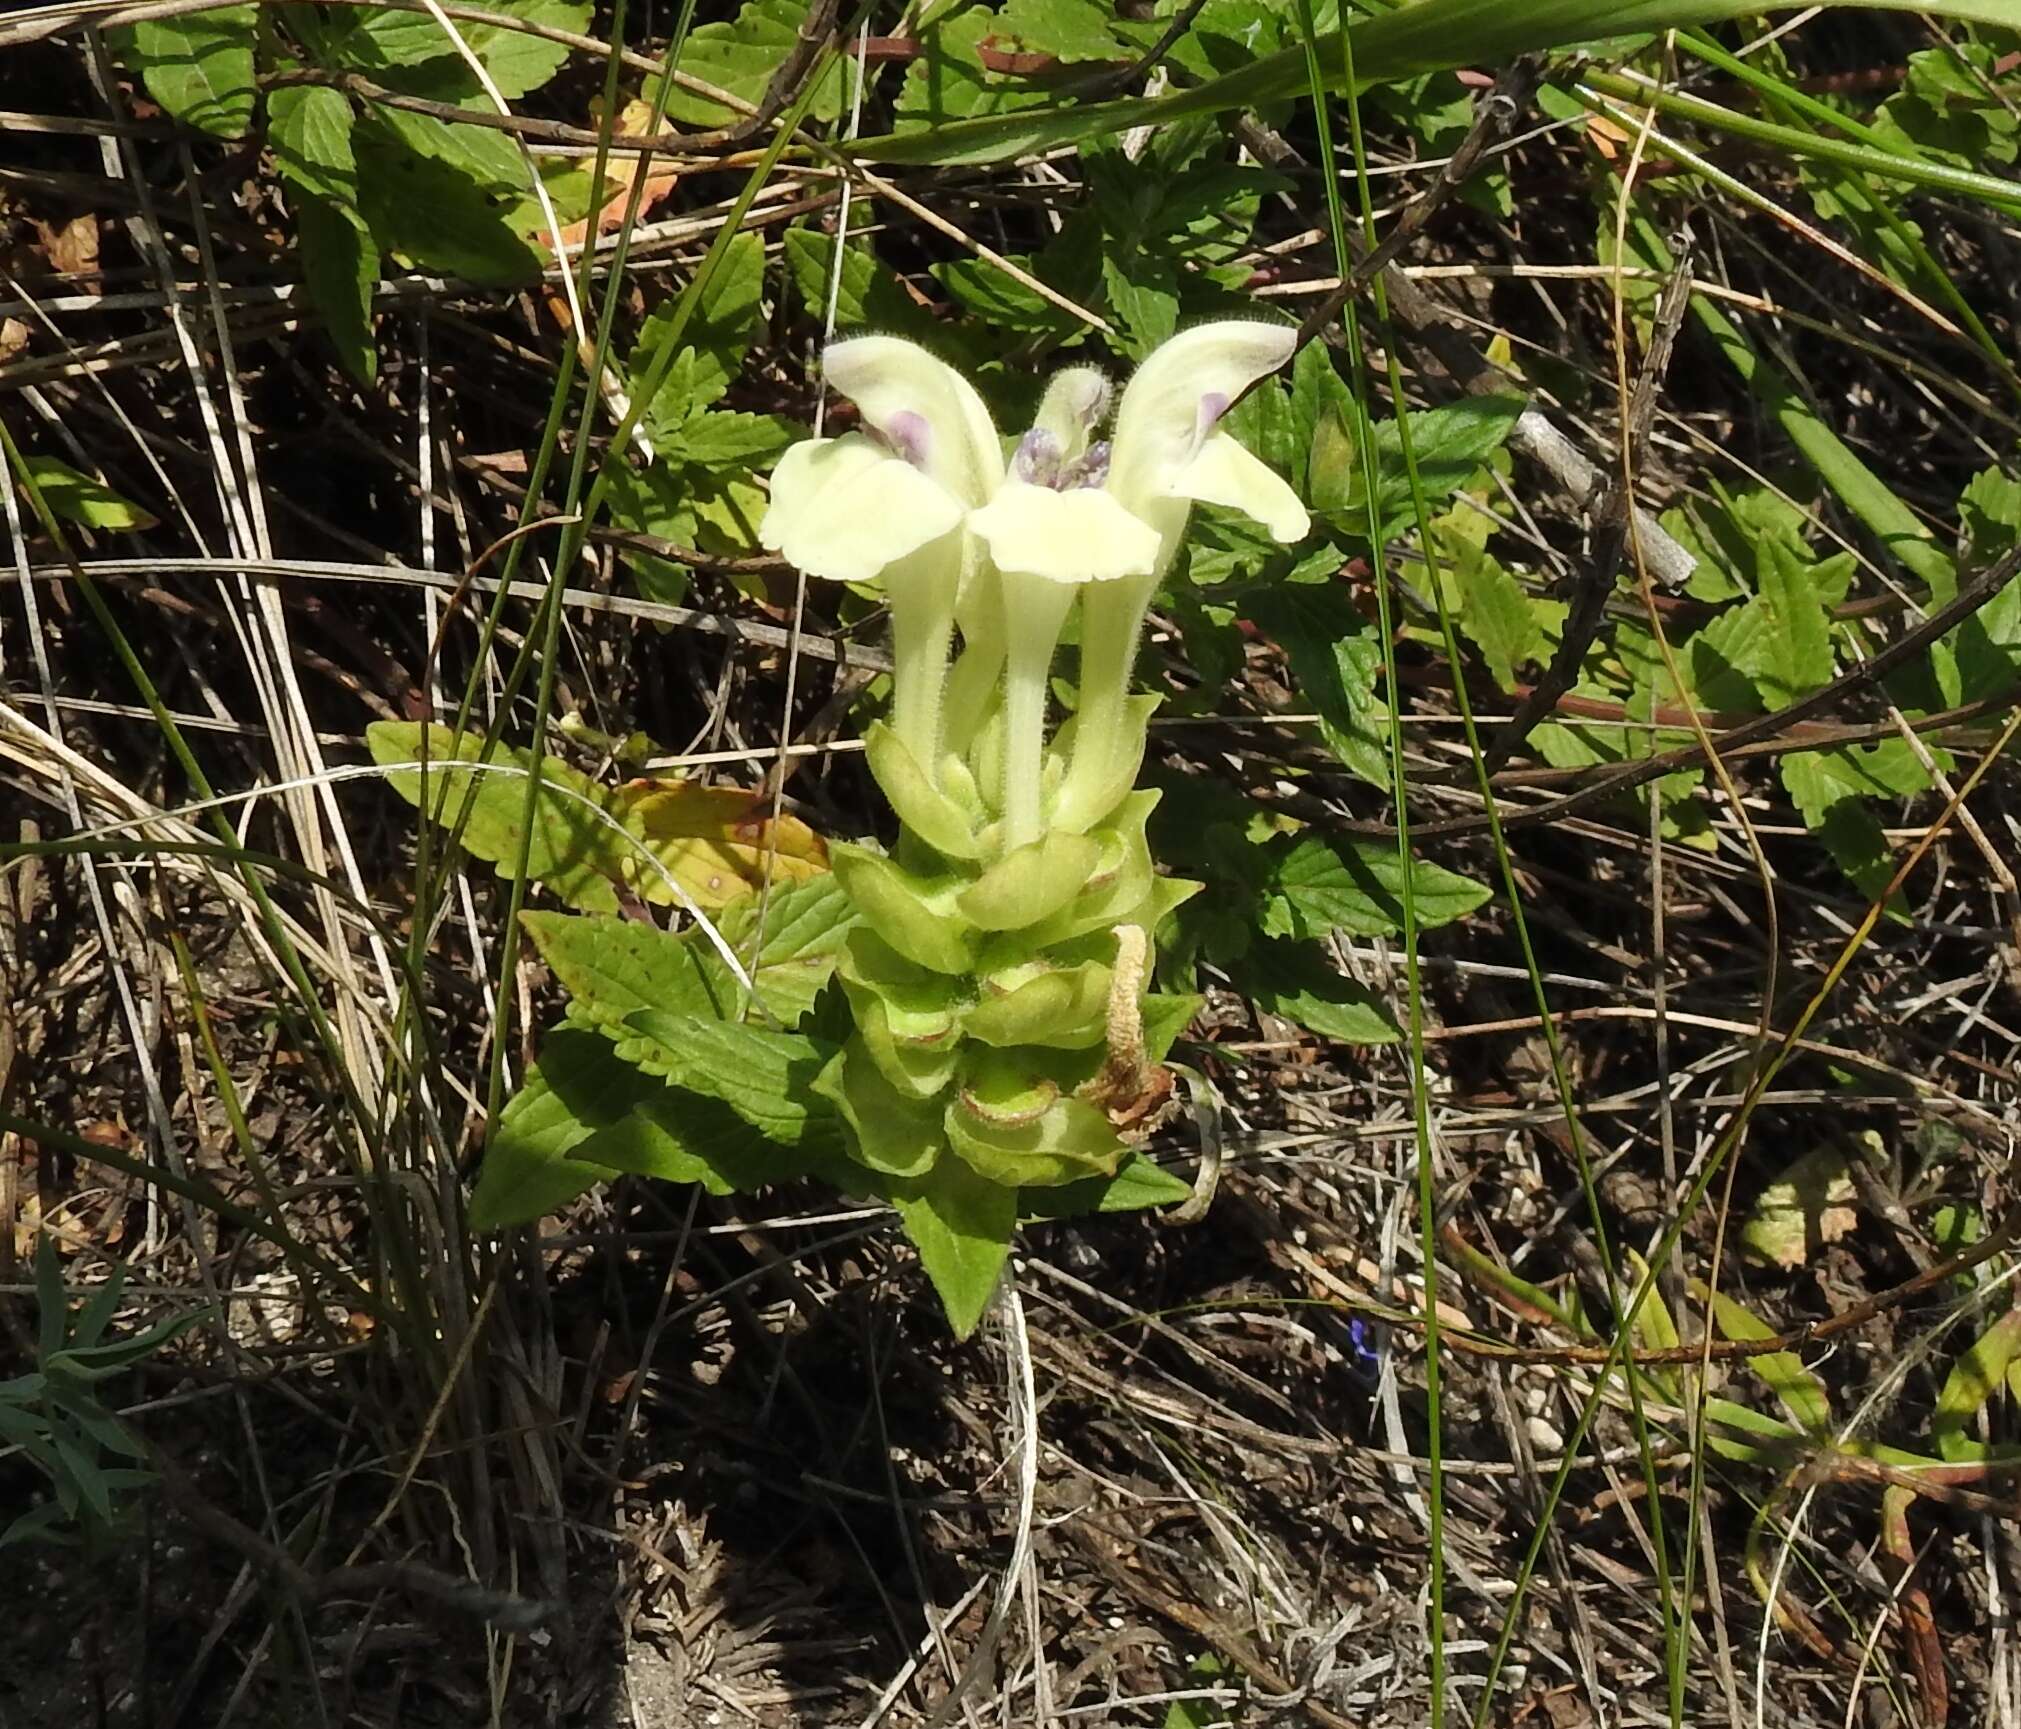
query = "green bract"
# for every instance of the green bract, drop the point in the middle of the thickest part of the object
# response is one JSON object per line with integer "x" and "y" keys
{"x": 996, "y": 979}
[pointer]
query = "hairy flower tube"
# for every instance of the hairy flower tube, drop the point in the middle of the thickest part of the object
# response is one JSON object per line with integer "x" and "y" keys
{"x": 997, "y": 977}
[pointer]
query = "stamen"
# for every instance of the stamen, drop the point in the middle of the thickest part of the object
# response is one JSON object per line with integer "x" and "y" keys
{"x": 1091, "y": 469}
{"x": 1037, "y": 460}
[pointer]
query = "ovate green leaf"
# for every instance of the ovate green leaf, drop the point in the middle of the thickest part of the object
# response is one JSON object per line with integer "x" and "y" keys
{"x": 1293, "y": 980}
{"x": 580, "y": 1085}
{"x": 740, "y": 57}
{"x": 199, "y": 67}
{"x": 962, "y": 1226}
{"x": 340, "y": 267}
{"x": 1323, "y": 885}
{"x": 572, "y": 849}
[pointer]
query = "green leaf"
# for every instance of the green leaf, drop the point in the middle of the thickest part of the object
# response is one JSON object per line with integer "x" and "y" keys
{"x": 869, "y": 294}
{"x": 613, "y": 967}
{"x": 1802, "y": 1394}
{"x": 989, "y": 292}
{"x": 1974, "y": 1379}
{"x": 572, "y": 850}
{"x": 199, "y": 67}
{"x": 717, "y": 437}
{"x": 740, "y": 56}
{"x": 1449, "y": 444}
{"x": 340, "y": 266}
{"x": 806, "y": 925}
{"x": 713, "y": 342}
{"x": 77, "y": 497}
{"x": 1137, "y": 1184}
{"x": 962, "y": 1226}
{"x": 1069, "y": 30}
{"x": 309, "y": 130}
{"x": 1336, "y": 660}
{"x": 579, "y": 1086}
{"x": 684, "y": 1137}
{"x": 1831, "y": 795}
{"x": 1293, "y": 980}
{"x": 1494, "y": 611}
{"x": 766, "y": 1078}
{"x": 949, "y": 81}
{"x": 659, "y": 501}
{"x": 433, "y": 210}
{"x": 1797, "y": 640}
{"x": 410, "y": 52}
{"x": 1324, "y": 885}
{"x": 1143, "y": 293}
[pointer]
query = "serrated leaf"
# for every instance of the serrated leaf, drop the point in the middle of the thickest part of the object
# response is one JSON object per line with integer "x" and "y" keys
{"x": 573, "y": 849}
{"x": 806, "y": 925}
{"x": 77, "y": 497}
{"x": 989, "y": 292}
{"x": 1069, "y": 30}
{"x": 1143, "y": 295}
{"x": 199, "y": 67}
{"x": 949, "y": 81}
{"x": 410, "y": 52}
{"x": 434, "y": 212}
{"x": 1323, "y": 885}
{"x": 1448, "y": 443}
{"x": 713, "y": 342}
{"x": 1796, "y": 645}
{"x": 962, "y": 1226}
{"x": 309, "y": 131}
{"x": 580, "y": 1085}
{"x": 613, "y": 967}
{"x": 1832, "y": 800}
{"x": 868, "y": 295}
{"x": 1293, "y": 980}
{"x": 1137, "y": 1184}
{"x": 740, "y": 56}
{"x": 719, "y": 436}
{"x": 1336, "y": 659}
{"x": 1494, "y": 611}
{"x": 340, "y": 267}
{"x": 766, "y": 1078}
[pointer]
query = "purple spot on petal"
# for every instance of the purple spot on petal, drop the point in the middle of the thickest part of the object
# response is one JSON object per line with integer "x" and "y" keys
{"x": 1088, "y": 470}
{"x": 1037, "y": 459}
{"x": 1212, "y": 406}
{"x": 910, "y": 436}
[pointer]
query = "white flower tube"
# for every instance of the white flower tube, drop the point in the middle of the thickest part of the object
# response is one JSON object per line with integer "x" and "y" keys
{"x": 888, "y": 506}
{"x": 1051, "y": 528}
{"x": 1169, "y": 453}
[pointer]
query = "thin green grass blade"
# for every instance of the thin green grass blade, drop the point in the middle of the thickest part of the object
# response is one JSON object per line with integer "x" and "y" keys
{"x": 1435, "y": 36}
{"x": 1399, "y": 778}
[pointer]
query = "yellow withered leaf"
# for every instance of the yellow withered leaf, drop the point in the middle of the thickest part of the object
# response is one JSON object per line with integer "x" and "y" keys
{"x": 718, "y": 842}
